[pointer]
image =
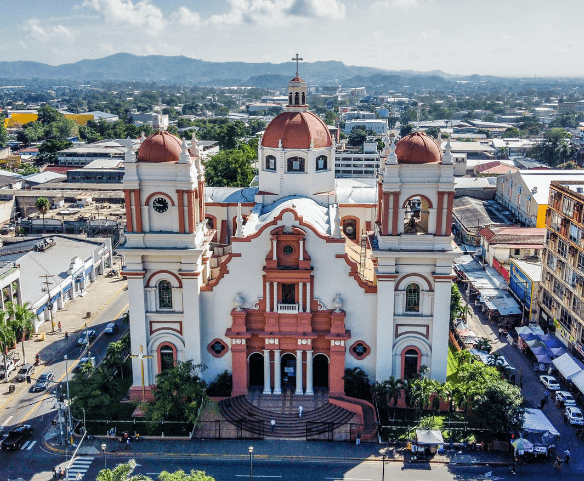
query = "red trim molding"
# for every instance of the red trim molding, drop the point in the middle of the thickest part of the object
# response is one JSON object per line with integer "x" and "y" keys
{"x": 223, "y": 270}
{"x": 164, "y": 272}
{"x": 159, "y": 193}
{"x": 403, "y": 358}
{"x": 418, "y": 195}
{"x": 138, "y": 211}
{"x": 128, "y": 200}
{"x": 172, "y": 346}
{"x": 418, "y": 275}
{"x": 168, "y": 328}
{"x": 368, "y": 286}
{"x": 181, "y": 211}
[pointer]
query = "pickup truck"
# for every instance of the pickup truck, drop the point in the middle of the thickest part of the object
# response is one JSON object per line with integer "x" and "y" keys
{"x": 17, "y": 436}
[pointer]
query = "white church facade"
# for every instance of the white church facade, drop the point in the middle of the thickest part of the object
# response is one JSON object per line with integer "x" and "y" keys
{"x": 287, "y": 285}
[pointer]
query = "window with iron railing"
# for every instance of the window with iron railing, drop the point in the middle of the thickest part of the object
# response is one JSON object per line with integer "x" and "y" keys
{"x": 547, "y": 300}
{"x": 562, "y": 248}
{"x": 558, "y": 290}
{"x": 578, "y": 307}
{"x": 565, "y": 318}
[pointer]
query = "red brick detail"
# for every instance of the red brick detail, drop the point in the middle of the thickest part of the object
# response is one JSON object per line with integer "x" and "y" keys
{"x": 223, "y": 270}
{"x": 354, "y": 273}
{"x": 362, "y": 356}
{"x": 212, "y": 352}
{"x": 439, "y": 213}
{"x": 138, "y": 211}
{"x": 448, "y": 225}
{"x": 128, "y": 200}
{"x": 164, "y": 272}
{"x": 181, "y": 211}
{"x": 403, "y": 358}
{"x": 154, "y": 194}
{"x": 394, "y": 230}
{"x": 190, "y": 211}
{"x": 385, "y": 214}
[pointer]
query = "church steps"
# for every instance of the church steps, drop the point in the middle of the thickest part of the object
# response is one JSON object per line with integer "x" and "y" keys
{"x": 238, "y": 410}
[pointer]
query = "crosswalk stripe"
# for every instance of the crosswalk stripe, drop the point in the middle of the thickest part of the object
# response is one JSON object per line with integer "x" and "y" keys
{"x": 79, "y": 465}
{"x": 25, "y": 445}
{"x": 31, "y": 445}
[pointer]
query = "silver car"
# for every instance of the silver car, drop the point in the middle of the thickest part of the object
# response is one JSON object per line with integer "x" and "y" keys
{"x": 24, "y": 371}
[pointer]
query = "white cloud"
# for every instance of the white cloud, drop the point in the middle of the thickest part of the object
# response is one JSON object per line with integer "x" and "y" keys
{"x": 32, "y": 27}
{"x": 62, "y": 31}
{"x": 186, "y": 17}
{"x": 405, "y": 4}
{"x": 259, "y": 11}
{"x": 141, "y": 14}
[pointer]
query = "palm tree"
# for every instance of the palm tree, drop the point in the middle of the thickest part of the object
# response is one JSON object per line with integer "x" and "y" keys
{"x": 7, "y": 339}
{"x": 21, "y": 322}
{"x": 393, "y": 387}
{"x": 115, "y": 355}
{"x": 501, "y": 153}
{"x": 43, "y": 205}
{"x": 408, "y": 389}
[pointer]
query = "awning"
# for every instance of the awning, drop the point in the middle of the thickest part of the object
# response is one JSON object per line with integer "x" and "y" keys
{"x": 528, "y": 336}
{"x": 551, "y": 341}
{"x": 488, "y": 359}
{"x": 535, "y": 343}
{"x": 568, "y": 366}
{"x": 429, "y": 437}
{"x": 578, "y": 380}
{"x": 541, "y": 351}
{"x": 558, "y": 351}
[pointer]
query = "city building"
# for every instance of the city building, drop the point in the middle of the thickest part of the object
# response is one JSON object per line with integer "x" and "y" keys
{"x": 379, "y": 126}
{"x": 99, "y": 171}
{"x": 561, "y": 294}
{"x": 275, "y": 284}
{"x": 352, "y": 163}
{"x": 525, "y": 193}
{"x": 155, "y": 120}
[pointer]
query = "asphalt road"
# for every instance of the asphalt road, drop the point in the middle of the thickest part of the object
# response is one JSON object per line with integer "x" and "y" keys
{"x": 39, "y": 409}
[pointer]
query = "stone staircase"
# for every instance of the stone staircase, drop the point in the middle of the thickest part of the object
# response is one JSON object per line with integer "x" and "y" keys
{"x": 253, "y": 419}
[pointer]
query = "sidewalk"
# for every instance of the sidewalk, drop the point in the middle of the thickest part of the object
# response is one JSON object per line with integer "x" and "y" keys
{"x": 73, "y": 319}
{"x": 277, "y": 449}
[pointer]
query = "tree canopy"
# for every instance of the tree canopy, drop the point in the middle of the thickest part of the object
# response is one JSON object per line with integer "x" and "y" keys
{"x": 229, "y": 168}
{"x": 358, "y": 136}
{"x": 555, "y": 149}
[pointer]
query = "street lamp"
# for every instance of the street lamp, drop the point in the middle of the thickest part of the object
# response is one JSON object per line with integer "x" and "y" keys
{"x": 383, "y": 467}
{"x": 250, "y": 449}
{"x": 103, "y": 446}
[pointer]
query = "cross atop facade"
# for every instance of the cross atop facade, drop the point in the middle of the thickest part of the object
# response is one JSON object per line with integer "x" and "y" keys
{"x": 141, "y": 356}
{"x": 297, "y": 59}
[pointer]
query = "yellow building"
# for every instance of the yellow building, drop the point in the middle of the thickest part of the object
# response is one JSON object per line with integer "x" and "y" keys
{"x": 17, "y": 118}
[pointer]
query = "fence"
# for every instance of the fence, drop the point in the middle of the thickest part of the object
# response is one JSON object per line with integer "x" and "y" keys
{"x": 220, "y": 429}
{"x": 165, "y": 428}
{"x": 325, "y": 431}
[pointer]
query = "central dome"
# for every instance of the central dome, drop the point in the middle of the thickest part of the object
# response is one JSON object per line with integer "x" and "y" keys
{"x": 160, "y": 147}
{"x": 297, "y": 130}
{"x": 417, "y": 148}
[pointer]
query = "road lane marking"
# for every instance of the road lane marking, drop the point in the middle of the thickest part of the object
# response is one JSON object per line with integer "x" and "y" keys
{"x": 7, "y": 421}
{"x": 31, "y": 445}
{"x": 79, "y": 465}
{"x": 23, "y": 447}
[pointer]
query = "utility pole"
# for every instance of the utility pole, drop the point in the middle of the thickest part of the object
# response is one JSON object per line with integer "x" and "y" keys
{"x": 47, "y": 284}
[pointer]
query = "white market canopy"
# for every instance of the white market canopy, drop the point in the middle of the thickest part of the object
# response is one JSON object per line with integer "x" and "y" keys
{"x": 567, "y": 366}
{"x": 536, "y": 420}
{"x": 429, "y": 436}
{"x": 578, "y": 380}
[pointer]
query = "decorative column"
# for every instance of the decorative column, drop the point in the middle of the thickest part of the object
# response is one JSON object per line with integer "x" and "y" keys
{"x": 299, "y": 372}
{"x": 277, "y": 373}
{"x": 268, "y": 307}
{"x": 300, "y": 304}
{"x": 239, "y": 366}
{"x": 301, "y": 249}
{"x": 274, "y": 256}
{"x": 440, "y": 327}
{"x": 275, "y": 297}
{"x": 267, "y": 377}
{"x": 309, "y": 387}
{"x": 308, "y": 299}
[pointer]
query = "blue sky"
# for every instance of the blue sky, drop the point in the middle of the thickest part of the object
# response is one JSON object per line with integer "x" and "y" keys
{"x": 497, "y": 37}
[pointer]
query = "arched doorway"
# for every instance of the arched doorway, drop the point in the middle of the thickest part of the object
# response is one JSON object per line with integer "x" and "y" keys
{"x": 256, "y": 370}
{"x": 320, "y": 369}
{"x": 288, "y": 366}
{"x": 410, "y": 363}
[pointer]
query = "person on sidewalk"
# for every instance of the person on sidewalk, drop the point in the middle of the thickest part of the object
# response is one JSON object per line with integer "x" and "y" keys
{"x": 567, "y": 458}
{"x": 128, "y": 443}
{"x": 547, "y": 395}
{"x": 542, "y": 403}
{"x": 79, "y": 477}
{"x": 273, "y": 425}
{"x": 59, "y": 325}
{"x": 300, "y": 411}
{"x": 54, "y": 473}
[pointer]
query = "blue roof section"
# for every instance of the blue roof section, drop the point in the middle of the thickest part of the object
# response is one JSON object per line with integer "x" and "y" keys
{"x": 311, "y": 212}
{"x": 230, "y": 194}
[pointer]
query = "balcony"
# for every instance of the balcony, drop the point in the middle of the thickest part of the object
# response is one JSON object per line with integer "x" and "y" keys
{"x": 287, "y": 308}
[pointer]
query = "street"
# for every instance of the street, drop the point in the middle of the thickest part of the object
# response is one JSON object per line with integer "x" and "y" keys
{"x": 39, "y": 408}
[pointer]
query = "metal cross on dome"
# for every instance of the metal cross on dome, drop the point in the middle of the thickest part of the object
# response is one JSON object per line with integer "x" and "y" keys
{"x": 141, "y": 356}
{"x": 297, "y": 59}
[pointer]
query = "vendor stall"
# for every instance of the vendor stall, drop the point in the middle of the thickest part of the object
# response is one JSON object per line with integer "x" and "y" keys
{"x": 539, "y": 430}
{"x": 429, "y": 441}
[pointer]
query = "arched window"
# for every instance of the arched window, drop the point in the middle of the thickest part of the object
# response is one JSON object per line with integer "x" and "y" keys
{"x": 210, "y": 222}
{"x": 410, "y": 363}
{"x": 164, "y": 295}
{"x": 350, "y": 228}
{"x": 166, "y": 357}
{"x": 290, "y": 98}
{"x": 321, "y": 162}
{"x": 295, "y": 164}
{"x": 270, "y": 162}
{"x": 413, "y": 298}
{"x": 303, "y": 98}
{"x": 297, "y": 99}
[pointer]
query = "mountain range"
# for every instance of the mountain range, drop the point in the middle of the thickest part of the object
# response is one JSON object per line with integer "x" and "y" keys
{"x": 184, "y": 70}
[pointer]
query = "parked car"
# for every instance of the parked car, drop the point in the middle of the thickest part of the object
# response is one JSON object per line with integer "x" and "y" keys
{"x": 85, "y": 337}
{"x": 111, "y": 328}
{"x": 17, "y": 436}
{"x": 24, "y": 371}
{"x": 574, "y": 415}
{"x": 83, "y": 361}
{"x": 9, "y": 367}
{"x": 550, "y": 382}
{"x": 43, "y": 382}
{"x": 565, "y": 398}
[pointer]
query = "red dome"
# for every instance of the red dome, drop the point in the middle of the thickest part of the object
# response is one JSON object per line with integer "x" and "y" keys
{"x": 417, "y": 148}
{"x": 297, "y": 129}
{"x": 160, "y": 147}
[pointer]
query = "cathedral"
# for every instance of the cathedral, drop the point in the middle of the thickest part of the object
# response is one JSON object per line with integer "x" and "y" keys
{"x": 287, "y": 284}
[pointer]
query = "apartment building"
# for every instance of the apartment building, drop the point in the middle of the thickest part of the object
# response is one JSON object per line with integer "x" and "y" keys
{"x": 561, "y": 295}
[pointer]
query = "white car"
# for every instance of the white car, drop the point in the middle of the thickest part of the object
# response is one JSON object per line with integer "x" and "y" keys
{"x": 565, "y": 398}
{"x": 574, "y": 415}
{"x": 550, "y": 382}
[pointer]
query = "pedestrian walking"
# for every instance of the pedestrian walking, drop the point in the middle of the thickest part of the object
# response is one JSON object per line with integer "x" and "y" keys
{"x": 547, "y": 395}
{"x": 59, "y": 326}
{"x": 542, "y": 403}
{"x": 558, "y": 463}
{"x": 128, "y": 443}
{"x": 54, "y": 473}
{"x": 300, "y": 411}
{"x": 565, "y": 418}
{"x": 514, "y": 466}
{"x": 273, "y": 425}
{"x": 62, "y": 474}
{"x": 78, "y": 477}
{"x": 567, "y": 458}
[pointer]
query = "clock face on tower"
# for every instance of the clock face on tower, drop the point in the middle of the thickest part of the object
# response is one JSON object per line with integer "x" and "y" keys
{"x": 160, "y": 204}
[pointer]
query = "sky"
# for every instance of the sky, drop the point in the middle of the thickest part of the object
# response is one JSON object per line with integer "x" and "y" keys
{"x": 489, "y": 37}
